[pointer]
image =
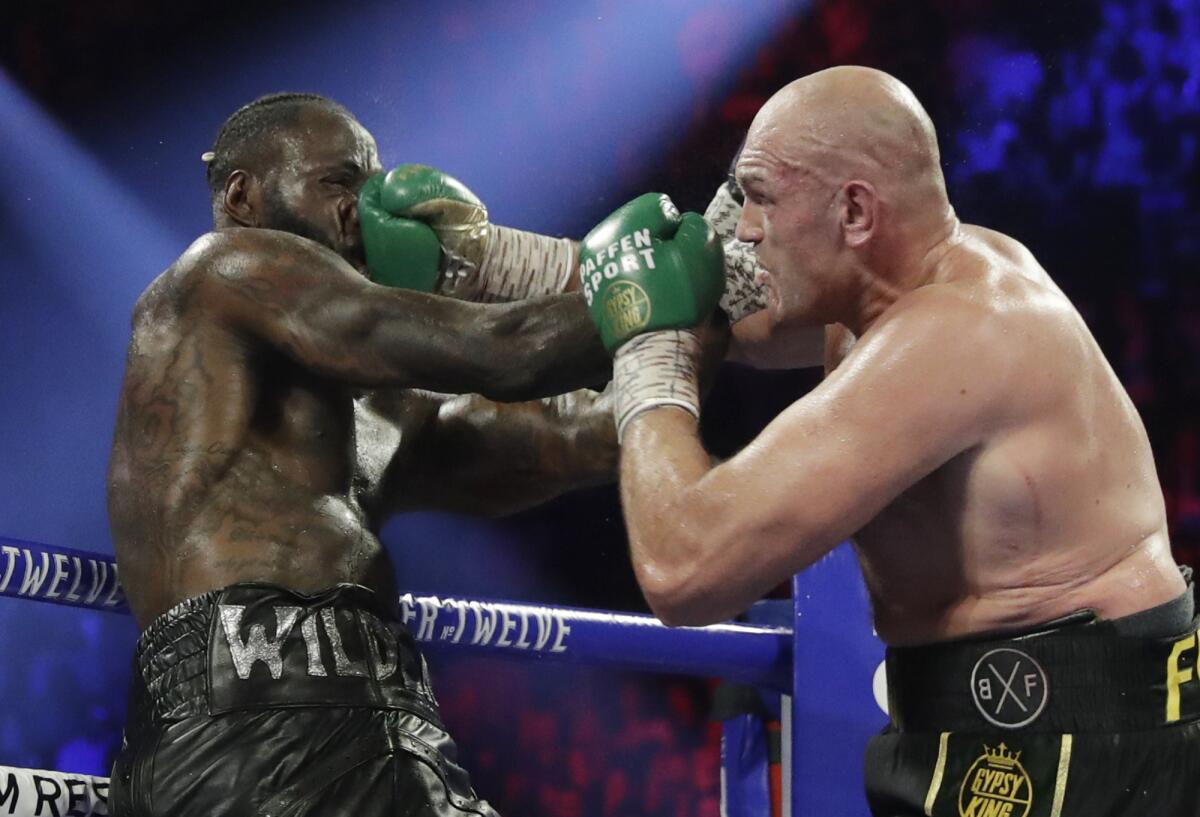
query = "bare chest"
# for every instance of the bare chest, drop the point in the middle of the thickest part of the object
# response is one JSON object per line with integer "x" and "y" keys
{"x": 919, "y": 528}
{"x": 305, "y": 427}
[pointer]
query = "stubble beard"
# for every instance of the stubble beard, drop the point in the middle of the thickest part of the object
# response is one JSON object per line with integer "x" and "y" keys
{"x": 278, "y": 216}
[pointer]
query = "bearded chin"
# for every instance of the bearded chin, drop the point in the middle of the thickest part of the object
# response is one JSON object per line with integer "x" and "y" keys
{"x": 277, "y": 216}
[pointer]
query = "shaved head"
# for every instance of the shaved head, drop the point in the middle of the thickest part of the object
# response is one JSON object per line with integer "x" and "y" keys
{"x": 848, "y": 123}
{"x": 844, "y": 192}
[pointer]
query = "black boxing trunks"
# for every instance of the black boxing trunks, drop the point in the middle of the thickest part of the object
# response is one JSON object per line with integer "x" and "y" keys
{"x": 254, "y": 700}
{"x": 1080, "y": 717}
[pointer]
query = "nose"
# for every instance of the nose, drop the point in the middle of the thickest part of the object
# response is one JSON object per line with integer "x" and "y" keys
{"x": 749, "y": 226}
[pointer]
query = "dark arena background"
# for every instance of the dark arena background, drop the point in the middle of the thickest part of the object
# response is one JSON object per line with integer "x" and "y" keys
{"x": 1074, "y": 126}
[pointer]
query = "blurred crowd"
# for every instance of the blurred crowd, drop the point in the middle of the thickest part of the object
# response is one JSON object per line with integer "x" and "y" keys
{"x": 77, "y": 690}
{"x": 566, "y": 741}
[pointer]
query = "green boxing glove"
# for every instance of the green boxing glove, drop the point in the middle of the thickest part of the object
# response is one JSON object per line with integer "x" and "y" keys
{"x": 649, "y": 274}
{"x": 400, "y": 252}
{"x": 646, "y": 267}
{"x": 479, "y": 261}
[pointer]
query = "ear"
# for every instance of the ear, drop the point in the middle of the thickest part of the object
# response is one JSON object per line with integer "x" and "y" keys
{"x": 243, "y": 199}
{"x": 860, "y": 212}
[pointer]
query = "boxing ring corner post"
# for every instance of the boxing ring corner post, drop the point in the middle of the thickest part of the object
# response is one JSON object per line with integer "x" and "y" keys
{"x": 783, "y": 652}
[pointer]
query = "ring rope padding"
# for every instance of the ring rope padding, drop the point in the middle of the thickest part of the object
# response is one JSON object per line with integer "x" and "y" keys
{"x": 746, "y": 653}
{"x": 38, "y": 793}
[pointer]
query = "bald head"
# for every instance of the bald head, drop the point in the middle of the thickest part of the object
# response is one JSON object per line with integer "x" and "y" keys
{"x": 844, "y": 194}
{"x": 848, "y": 123}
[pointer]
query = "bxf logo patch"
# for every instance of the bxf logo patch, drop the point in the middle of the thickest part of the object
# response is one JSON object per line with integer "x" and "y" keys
{"x": 1009, "y": 687}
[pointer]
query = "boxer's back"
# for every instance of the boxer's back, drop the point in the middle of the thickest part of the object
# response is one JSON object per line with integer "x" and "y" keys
{"x": 1058, "y": 508}
{"x": 230, "y": 462}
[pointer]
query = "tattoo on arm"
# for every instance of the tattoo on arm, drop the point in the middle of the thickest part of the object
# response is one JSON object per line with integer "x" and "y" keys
{"x": 308, "y": 303}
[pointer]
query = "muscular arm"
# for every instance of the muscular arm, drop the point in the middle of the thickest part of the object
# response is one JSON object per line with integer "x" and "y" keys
{"x": 308, "y": 303}
{"x": 471, "y": 455}
{"x": 707, "y": 541}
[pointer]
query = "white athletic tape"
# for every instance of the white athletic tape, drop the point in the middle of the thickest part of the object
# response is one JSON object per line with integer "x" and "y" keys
{"x": 515, "y": 265}
{"x": 742, "y": 295}
{"x": 656, "y": 369}
{"x": 723, "y": 213}
{"x": 521, "y": 265}
{"x": 40, "y": 793}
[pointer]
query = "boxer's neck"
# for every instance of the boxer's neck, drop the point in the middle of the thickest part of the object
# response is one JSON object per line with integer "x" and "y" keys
{"x": 912, "y": 259}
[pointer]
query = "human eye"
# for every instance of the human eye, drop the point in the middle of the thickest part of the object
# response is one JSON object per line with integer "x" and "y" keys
{"x": 755, "y": 194}
{"x": 342, "y": 175}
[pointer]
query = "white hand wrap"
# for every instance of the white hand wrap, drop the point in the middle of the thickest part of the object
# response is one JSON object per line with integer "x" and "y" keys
{"x": 656, "y": 369}
{"x": 723, "y": 212}
{"x": 516, "y": 265}
{"x": 742, "y": 296}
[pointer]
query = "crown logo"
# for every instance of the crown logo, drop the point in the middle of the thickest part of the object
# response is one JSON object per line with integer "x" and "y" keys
{"x": 1000, "y": 757}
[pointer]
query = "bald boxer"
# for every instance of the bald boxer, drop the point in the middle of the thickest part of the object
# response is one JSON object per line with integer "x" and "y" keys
{"x": 972, "y": 441}
{"x": 277, "y": 406}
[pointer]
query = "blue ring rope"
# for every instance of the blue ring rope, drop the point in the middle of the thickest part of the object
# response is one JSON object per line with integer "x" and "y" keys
{"x": 751, "y": 654}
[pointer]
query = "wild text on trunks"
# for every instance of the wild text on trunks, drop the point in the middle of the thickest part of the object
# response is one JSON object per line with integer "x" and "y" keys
{"x": 382, "y": 649}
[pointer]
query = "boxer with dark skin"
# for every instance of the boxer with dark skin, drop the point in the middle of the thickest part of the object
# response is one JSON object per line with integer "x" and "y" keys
{"x": 277, "y": 406}
{"x": 236, "y": 455}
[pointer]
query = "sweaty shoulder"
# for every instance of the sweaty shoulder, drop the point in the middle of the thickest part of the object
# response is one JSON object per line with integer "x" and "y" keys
{"x": 963, "y": 308}
{"x": 994, "y": 314}
{"x": 222, "y": 270}
{"x": 243, "y": 251}
{"x": 1003, "y": 252}
{"x": 224, "y": 250}
{"x": 939, "y": 331}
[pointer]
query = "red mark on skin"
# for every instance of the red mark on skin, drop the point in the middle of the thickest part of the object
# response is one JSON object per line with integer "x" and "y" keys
{"x": 1033, "y": 498}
